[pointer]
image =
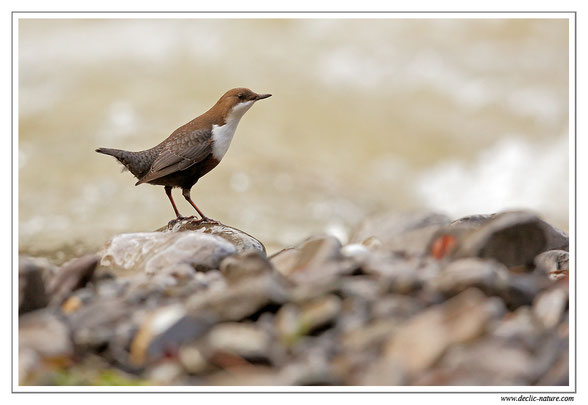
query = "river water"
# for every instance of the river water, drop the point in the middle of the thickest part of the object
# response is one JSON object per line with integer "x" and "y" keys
{"x": 462, "y": 116}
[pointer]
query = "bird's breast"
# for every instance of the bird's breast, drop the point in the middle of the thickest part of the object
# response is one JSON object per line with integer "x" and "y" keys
{"x": 222, "y": 137}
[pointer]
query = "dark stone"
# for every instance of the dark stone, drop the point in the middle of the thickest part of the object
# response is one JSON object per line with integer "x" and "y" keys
{"x": 512, "y": 238}
{"x": 459, "y": 275}
{"x": 32, "y": 293}
{"x": 94, "y": 325}
{"x": 72, "y": 276}
{"x": 241, "y": 299}
{"x": 522, "y": 289}
{"x": 184, "y": 330}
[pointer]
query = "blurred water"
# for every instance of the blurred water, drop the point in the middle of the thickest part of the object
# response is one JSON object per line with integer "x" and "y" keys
{"x": 459, "y": 116}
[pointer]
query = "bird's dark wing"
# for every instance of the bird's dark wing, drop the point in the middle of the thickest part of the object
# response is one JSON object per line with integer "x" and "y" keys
{"x": 179, "y": 153}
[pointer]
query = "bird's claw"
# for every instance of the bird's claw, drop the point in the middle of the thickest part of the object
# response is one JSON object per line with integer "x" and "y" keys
{"x": 178, "y": 219}
{"x": 203, "y": 220}
{"x": 209, "y": 221}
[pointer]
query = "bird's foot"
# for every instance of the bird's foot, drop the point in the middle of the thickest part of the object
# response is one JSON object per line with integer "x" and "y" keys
{"x": 178, "y": 219}
{"x": 209, "y": 221}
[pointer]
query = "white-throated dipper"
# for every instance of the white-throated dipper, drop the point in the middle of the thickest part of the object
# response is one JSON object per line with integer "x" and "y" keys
{"x": 192, "y": 150}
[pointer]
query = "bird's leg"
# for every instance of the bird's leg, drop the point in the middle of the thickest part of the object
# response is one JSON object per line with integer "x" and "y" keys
{"x": 168, "y": 191}
{"x": 186, "y": 193}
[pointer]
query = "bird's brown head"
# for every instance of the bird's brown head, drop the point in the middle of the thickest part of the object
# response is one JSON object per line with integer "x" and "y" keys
{"x": 235, "y": 102}
{"x": 242, "y": 95}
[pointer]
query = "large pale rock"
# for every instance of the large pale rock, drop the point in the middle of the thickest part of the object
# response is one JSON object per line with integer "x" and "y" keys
{"x": 242, "y": 241}
{"x": 179, "y": 249}
{"x": 153, "y": 252}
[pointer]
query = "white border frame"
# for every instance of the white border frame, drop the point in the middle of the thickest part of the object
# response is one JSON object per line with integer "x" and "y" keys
{"x": 512, "y": 390}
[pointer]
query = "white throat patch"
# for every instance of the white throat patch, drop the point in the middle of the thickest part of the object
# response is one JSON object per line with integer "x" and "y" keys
{"x": 223, "y": 135}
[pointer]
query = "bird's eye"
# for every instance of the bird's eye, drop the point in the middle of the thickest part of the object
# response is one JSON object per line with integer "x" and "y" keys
{"x": 241, "y": 96}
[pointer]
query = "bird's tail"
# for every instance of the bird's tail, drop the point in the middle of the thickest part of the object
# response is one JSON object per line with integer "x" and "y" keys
{"x": 117, "y": 153}
{"x": 125, "y": 157}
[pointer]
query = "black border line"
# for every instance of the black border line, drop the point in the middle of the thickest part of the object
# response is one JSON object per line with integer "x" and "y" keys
{"x": 574, "y": 18}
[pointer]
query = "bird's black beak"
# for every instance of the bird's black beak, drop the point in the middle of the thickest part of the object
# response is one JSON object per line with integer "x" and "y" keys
{"x": 262, "y": 96}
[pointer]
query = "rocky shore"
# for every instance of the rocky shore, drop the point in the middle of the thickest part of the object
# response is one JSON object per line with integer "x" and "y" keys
{"x": 412, "y": 299}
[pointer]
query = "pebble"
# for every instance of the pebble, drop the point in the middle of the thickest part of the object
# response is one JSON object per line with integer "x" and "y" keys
{"x": 388, "y": 226}
{"x": 459, "y": 275}
{"x": 357, "y": 252}
{"x": 285, "y": 260}
{"x": 32, "y": 293}
{"x": 193, "y": 359}
{"x": 243, "y": 339}
{"x": 93, "y": 325}
{"x": 318, "y": 313}
{"x": 244, "y": 265}
{"x": 71, "y": 276}
{"x": 165, "y": 373}
{"x": 45, "y": 333}
{"x": 424, "y": 338}
{"x": 236, "y": 301}
{"x": 163, "y": 331}
{"x": 550, "y": 306}
{"x": 313, "y": 254}
{"x": 43, "y": 338}
{"x": 383, "y": 373}
{"x": 554, "y": 263}
{"x": 398, "y": 272}
{"x": 488, "y": 362}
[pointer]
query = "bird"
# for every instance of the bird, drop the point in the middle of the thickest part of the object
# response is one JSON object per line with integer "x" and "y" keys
{"x": 192, "y": 150}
